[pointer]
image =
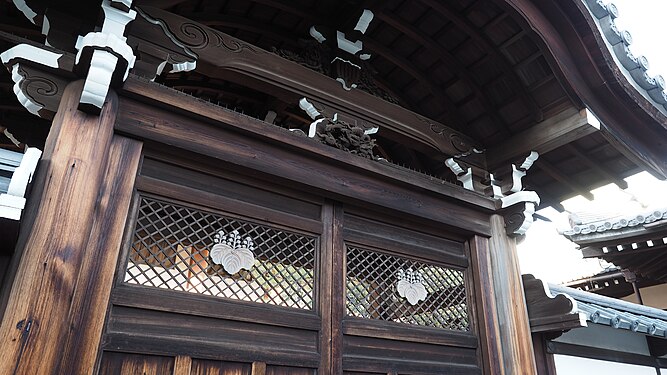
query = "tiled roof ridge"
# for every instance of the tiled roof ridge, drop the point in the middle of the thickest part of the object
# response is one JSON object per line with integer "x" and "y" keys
{"x": 634, "y": 68}
{"x": 616, "y": 313}
{"x": 618, "y": 222}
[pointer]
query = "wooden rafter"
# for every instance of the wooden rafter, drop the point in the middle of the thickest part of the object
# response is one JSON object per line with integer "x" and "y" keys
{"x": 408, "y": 68}
{"x": 444, "y": 8}
{"x": 445, "y": 56}
{"x": 597, "y": 166}
{"x": 563, "y": 179}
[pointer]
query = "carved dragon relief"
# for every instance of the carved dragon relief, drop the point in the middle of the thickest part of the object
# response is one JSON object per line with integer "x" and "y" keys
{"x": 335, "y": 132}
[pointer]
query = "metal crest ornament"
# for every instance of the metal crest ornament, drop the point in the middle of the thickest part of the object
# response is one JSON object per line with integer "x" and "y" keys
{"x": 411, "y": 286}
{"x": 232, "y": 253}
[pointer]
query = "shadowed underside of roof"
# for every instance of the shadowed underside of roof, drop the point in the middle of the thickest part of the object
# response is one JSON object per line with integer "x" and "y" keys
{"x": 474, "y": 65}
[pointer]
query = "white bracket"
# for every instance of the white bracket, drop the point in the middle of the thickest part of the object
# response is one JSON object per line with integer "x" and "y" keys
{"x": 464, "y": 176}
{"x": 111, "y": 58}
{"x": 12, "y": 59}
{"x": 12, "y": 203}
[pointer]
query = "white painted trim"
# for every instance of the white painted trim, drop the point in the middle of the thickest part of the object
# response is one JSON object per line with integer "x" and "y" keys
{"x": 26, "y": 10}
{"x": 364, "y": 20}
{"x": 347, "y": 45}
{"x": 465, "y": 177}
{"x": 316, "y": 34}
{"x": 13, "y": 202}
{"x": 33, "y": 54}
{"x": 522, "y": 196}
{"x": 96, "y": 87}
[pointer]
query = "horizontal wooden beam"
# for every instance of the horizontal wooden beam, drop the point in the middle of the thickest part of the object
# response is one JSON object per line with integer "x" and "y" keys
{"x": 599, "y": 167}
{"x": 548, "y": 135}
{"x": 557, "y": 175}
{"x": 220, "y": 55}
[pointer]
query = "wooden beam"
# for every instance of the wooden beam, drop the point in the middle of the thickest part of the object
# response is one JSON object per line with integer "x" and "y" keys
{"x": 565, "y": 180}
{"x": 548, "y": 135}
{"x": 445, "y": 8}
{"x": 221, "y": 55}
{"x": 598, "y": 167}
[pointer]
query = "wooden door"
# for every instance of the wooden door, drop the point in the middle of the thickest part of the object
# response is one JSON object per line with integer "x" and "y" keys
{"x": 320, "y": 297}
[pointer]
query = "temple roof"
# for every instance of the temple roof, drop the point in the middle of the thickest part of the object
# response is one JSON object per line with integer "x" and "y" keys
{"x": 559, "y": 308}
{"x": 515, "y": 76}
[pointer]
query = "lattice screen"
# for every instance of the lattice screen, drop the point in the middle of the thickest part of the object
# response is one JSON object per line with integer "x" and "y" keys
{"x": 371, "y": 283}
{"x": 170, "y": 249}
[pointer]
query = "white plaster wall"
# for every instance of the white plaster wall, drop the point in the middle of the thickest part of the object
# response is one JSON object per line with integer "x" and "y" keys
{"x": 654, "y": 296}
{"x": 568, "y": 365}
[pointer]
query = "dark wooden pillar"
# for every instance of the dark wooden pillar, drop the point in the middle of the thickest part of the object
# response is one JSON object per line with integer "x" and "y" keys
{"x": 57, "y": 304}
{"x": 512, "y": 343}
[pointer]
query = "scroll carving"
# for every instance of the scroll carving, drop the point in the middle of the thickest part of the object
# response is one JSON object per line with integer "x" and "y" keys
{"x": 36, "y": 88}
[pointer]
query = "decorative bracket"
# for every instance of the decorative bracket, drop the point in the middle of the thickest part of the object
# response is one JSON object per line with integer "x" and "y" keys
{"x": 347, "y": 62}
{"x": 518, "y": 206}
{"x": 37, "y": 90}
{"x": 549, "y": 311}
{"x": 13, "y": 202}
{"x": 518, "y": 210}
{"x": 104, "y": 57}
{"x": 463, "y": 175}
{"x": 511, "y": 180}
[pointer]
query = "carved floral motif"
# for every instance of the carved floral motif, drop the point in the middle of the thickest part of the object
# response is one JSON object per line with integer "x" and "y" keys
{"x": 233, "y": 253}
{"x": 410, "y": 286}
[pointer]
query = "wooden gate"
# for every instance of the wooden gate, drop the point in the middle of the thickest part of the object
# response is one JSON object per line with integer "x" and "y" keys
{"x": 331, "y": 288}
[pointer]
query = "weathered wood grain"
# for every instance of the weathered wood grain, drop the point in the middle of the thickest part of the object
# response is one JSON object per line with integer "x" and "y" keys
{"x": 485, "y": 305}
{"x": 259, "y": 368}
{"x": 182, "y": 365}
{"x": 39, "y": 316}
{"x": 91, "y": 297}
{"x": 516, "y": 349}
{"x": 133, "y": 364}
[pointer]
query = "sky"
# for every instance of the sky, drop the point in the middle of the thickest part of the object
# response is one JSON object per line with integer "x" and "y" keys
{"x": 550, "y": 256}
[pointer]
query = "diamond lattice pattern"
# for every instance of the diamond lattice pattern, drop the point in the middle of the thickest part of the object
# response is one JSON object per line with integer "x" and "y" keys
{"x": 371, "y": 283}
{"x": 170, "y": 249}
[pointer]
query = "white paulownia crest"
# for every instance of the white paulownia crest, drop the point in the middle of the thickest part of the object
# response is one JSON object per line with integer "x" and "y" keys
{"x": 232, "y": 253}
{"x": 411, "y": 286}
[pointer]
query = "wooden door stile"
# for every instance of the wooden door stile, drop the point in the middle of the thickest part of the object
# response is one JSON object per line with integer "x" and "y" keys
{"x": 326, "y": 280}
{"x": 338, "y": 290}
{"x": 487, "y": 315}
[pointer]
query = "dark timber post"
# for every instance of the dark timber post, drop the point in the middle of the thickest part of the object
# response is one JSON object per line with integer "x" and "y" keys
{"x": 516, "y": 348}
{"x": 56, "y": 308}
